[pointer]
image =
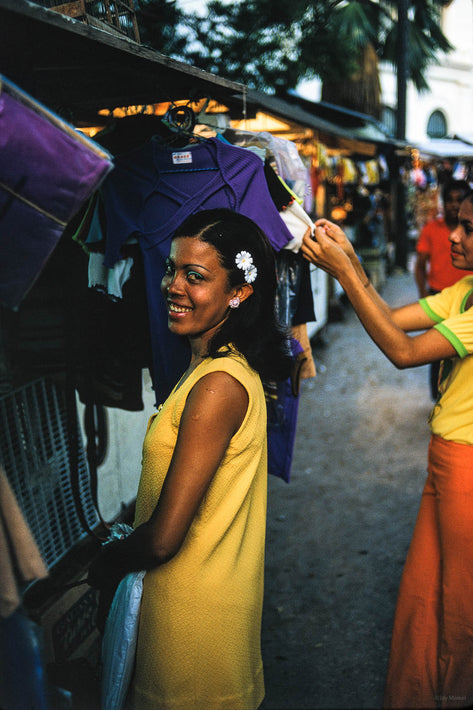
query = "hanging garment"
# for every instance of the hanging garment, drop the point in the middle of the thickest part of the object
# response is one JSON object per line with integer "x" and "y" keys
{"x": 280, "y": 193}
{"x": 308, "y": 369}
{"x": 283, "y": 151}
{"x": 149, "y": 194}
{"x": 295, "y": 303}
{"x": 47, "y": 170}
{"x": 282, "y": 405}
{"x": 106, "y": 280}
{"x": 20, "y": 558}
{"x": 23, "y": 679}
{"x": 111, "y": 342}
{"x": 298, "y": 222}
{"x": 305, "y": 309}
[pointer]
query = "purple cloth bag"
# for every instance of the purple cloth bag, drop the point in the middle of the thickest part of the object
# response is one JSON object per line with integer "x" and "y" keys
{"x": 47, "y": 171}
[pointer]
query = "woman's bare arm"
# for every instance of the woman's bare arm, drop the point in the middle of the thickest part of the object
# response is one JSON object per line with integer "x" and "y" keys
{"x": 410, "y": 317}
{"x": 386, "y": 327}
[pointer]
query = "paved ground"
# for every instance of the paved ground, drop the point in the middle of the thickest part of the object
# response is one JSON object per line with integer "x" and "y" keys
{"x": 339, "y": 532}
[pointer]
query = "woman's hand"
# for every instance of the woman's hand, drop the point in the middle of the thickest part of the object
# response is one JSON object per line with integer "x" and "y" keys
{"x": 328, "y": 249}
{"x": 338, "y": 238}
{"x": 105, "y": 570}
{"x": 333, "y": 231}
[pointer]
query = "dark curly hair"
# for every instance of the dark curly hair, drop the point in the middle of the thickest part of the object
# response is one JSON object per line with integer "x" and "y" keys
{"x": 452, "y": 185}
{"x": 252, "y": 328}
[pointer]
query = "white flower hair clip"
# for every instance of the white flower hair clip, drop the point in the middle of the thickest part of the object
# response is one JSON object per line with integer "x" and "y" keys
{"x": 250, "y": 274}
{"x": 244, "y": 261}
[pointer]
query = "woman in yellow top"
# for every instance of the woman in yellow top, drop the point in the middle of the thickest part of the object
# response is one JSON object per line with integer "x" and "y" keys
{"x": 431, "y": 660}
{"x": 201, "y": 506}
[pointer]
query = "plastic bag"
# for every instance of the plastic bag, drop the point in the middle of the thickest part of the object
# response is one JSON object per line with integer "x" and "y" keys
{"x": 289, "y": 274}
{"x": 119, "y": 641}
{"x": 121, "y": 633}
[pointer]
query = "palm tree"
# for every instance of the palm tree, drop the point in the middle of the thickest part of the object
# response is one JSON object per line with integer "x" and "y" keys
{"x": 369, "y": 29}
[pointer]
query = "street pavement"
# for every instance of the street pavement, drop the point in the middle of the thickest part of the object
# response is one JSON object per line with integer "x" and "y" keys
{"x": 338, "y": 533}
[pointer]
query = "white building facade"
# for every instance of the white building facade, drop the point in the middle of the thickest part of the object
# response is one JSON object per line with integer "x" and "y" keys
{"x": 447, "y": 108}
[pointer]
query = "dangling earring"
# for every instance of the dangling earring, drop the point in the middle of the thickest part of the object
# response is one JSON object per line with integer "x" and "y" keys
{"x": 234, "y": 302}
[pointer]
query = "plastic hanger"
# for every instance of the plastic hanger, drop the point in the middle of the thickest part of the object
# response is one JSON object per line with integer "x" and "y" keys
{"x": 181, "y": 120}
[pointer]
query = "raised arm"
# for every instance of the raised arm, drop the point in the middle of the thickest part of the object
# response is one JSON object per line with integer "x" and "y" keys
{"x": 387, "y": 327}
{"x": 214, "y": 411}
{"x": 410, "y": 317}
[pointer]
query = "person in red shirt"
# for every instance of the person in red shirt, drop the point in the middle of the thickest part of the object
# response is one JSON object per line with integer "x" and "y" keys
{"x": 433, "y": 268}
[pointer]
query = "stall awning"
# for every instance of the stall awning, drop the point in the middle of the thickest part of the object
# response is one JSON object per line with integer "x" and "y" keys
{"x": 335, "y": 126}
{"x": 77, "y": 69}
{"x": 465, "y": 137}
{"x": 446, "y": 148}
{"x": 284, "y": 109}
{"x": 360, "y": 126}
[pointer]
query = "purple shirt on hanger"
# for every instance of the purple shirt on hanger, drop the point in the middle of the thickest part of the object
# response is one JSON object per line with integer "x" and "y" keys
{"x": 150, "y": 193}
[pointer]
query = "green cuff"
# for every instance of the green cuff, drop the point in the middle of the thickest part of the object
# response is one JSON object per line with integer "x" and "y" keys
{"x": 425, "y": 306}
{"x": 452, "y": 339}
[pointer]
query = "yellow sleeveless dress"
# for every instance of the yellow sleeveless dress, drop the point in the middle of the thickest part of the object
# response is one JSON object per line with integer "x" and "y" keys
{"x": 199, "y": 642}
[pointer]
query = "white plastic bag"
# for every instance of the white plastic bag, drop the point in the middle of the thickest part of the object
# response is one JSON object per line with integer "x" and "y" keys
{"x": 121, "y": 633}
{"x": 119, "y": 641}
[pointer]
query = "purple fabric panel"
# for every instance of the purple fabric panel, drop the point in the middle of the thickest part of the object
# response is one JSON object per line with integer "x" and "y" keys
{"x": 27, "y": 239}
{"x": 50, "y": 169}
{"x": 59, "y": 171}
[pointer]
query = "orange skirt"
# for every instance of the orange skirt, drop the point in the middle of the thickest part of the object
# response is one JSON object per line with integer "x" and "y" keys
{"x": 431, "y": 658}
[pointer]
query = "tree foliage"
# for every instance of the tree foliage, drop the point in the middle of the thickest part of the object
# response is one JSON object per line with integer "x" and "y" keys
{"x": 273, "y": 44}
{"x": 257, "y": 42}
{"x": 160, "y": 25}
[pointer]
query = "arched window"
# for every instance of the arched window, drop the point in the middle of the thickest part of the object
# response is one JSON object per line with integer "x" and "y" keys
{"x": 437, "y": 125}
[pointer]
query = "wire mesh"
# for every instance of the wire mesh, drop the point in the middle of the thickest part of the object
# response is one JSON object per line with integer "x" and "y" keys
{"x": 116, "y": 15}
{"x": 35, "y": 454}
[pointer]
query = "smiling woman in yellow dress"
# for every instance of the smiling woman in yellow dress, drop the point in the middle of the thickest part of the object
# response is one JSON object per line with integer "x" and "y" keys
{"x": 431, "y": 660}
{"x": 200, "y": 519}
